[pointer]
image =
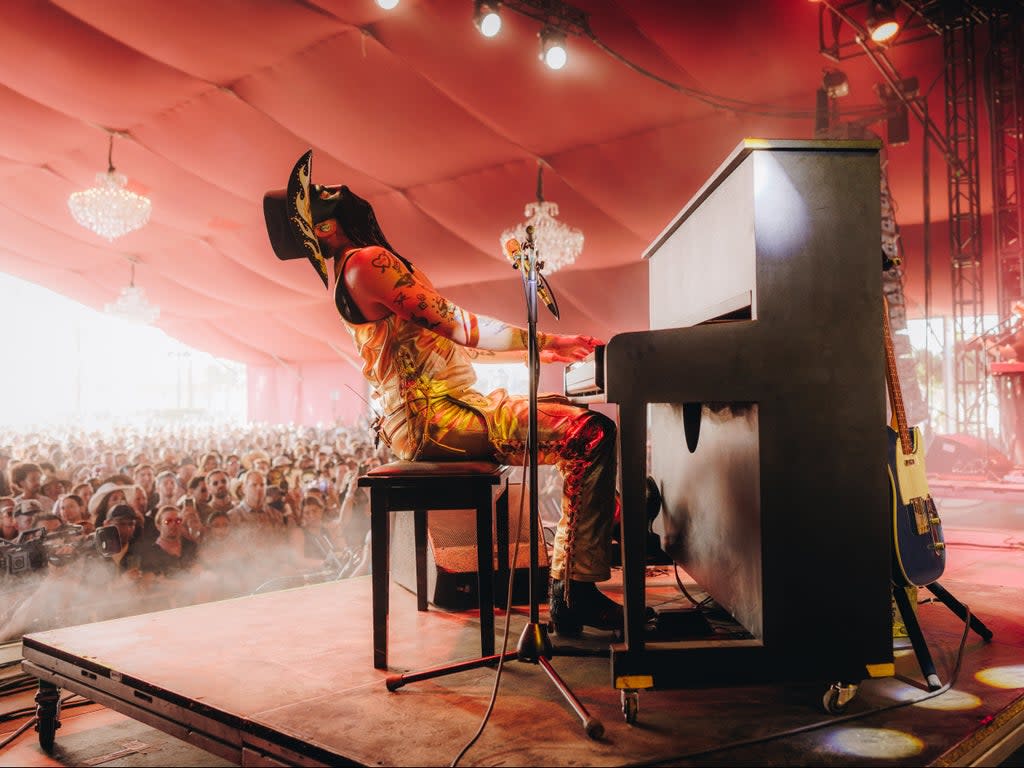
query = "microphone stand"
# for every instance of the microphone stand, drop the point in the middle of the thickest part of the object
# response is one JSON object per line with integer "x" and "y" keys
{"x": 534, "y": 645}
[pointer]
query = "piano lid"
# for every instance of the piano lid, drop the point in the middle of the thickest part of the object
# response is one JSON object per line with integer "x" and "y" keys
{"x": 736, "y": 157}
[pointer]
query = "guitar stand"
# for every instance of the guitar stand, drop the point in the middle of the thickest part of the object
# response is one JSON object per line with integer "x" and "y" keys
{"x": 924, "y": 657}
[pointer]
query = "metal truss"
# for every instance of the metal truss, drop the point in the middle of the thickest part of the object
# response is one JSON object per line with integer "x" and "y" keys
{"x": 1006, "y": 120}
{"x": 964, "y": 197}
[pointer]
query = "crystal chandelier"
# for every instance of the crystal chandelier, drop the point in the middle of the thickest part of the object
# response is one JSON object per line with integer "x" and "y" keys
{"x": 109, "y": 209}
{"x": 132, "y": 306}
{"x": 557, "y": 244}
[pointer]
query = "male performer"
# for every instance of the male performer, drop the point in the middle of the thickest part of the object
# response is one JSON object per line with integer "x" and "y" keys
{"x": 417, "y": 348}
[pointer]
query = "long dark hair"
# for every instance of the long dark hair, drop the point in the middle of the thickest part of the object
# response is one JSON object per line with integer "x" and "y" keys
{"x": 359, "y": 223}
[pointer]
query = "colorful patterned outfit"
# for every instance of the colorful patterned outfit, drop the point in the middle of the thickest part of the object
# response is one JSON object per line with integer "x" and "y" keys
{"x": 429, "y": 411}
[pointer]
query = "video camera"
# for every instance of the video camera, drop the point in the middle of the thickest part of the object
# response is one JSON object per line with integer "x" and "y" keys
{"x": 36, "y": 548}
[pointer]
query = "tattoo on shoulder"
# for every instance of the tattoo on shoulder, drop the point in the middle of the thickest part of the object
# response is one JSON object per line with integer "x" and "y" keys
{"x": 475, "y": 353}
{"x": 405, "y": 280}
{"x": 384, "y": 261}
{"x": 400, "y": 298}
{"x": 421, "y": 301}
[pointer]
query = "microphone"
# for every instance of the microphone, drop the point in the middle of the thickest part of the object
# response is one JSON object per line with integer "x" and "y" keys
{"x": 545, "y": 295}
{"x": 515, "y": 252}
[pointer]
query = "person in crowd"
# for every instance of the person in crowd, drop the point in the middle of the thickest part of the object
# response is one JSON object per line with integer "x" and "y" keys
{"x": 127, "y": 559}
{"x": 220, "y": 495}
{"x": 145, "y": 477}
{"x": 167, "y": 488}
{"x": 186, "y": 471}
{"x": 106, "y": 496}
{"x": 218, "y": 525}
{"x": 53, "y": 484}
{"x": 48, "y": 520}
{"x": 107, "y": 465}
{"x": 72, "y": 511}
{"x": 25, "y": 513}
{"x": 252, "y": 510}
{"x": 310, "y": 542}
{"x": 233, "y": 465}
{"x": 209, "y": 462}
{"x": 199, "y": 491}
{"x": 172, "y": 551}
{"x": 354, "y": 513}
{"x": 258, "y": 460}
{"x": 191, "y": 521}
{"x": 27, "y": 479}
{"x": 6, "y": 489}
{"x": 8, "y": 527}
{"x": 85, "y": 492}
{"x": 277, "y": 499}
{"x": 135, "y": 497}
{"x": 418, "y": 348}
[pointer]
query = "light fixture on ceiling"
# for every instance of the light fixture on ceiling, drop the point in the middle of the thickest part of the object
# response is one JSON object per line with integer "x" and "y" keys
{"x": 552, "y": 47}
{"x": 110, "y": 209}
{"x": 487, "y": 17}
{"x": 132, "y": 306}
{"x": 835, "y": 83}
{"x": 557, "y": 245}
{"x": 881, "y": 22}
{"x": 387, "y": 5}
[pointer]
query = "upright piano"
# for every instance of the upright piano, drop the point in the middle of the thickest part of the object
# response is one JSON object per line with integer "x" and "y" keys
{"x": 759, "y": 392}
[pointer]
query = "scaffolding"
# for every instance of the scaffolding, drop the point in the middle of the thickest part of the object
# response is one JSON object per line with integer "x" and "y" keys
{"x": 964, "y": 197}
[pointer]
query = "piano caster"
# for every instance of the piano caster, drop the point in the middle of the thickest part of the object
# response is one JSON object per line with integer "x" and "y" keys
{"x": 838, "y": 697}
{"x": 630, "y": 698}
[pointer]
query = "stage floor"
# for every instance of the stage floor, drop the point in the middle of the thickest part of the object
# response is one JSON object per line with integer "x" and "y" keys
{"x": 288, "y": 676}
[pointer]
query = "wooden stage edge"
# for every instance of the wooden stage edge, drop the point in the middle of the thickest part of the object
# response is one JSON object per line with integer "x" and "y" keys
{"x": 287, "y": 678}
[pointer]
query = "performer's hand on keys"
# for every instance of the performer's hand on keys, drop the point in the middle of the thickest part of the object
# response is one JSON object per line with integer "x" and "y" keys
{"x": 556, "y": 348}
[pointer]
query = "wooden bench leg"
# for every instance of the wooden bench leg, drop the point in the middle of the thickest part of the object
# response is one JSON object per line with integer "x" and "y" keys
{"x": 420, "y": 539}
{"x": 503, "y": 573}
{"x": 485, "y": 570}
{"x": 380, "y": 535}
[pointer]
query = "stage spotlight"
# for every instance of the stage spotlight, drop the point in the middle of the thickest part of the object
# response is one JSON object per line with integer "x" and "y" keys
{"x": 487, "y": 18}
{"x": 552, "y": 47}
{"x": 835, "y": 83}
{"x": 387, "y": 5}
{"x": 882, "y": 24}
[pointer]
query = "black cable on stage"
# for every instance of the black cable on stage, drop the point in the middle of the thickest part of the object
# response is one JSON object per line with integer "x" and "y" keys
{"x": 701, "y": 605}
{"x": 823, "y": 723}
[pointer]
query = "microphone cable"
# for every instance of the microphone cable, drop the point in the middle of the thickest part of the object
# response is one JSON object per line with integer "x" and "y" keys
{"x": 674, "y": 759}
{"x": 508, "y": 618}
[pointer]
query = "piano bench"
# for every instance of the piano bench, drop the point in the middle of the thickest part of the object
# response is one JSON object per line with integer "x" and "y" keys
{"x": 419, "y": 487}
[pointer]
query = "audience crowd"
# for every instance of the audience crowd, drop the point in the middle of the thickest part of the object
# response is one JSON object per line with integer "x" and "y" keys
{"x": 201, "y": 512}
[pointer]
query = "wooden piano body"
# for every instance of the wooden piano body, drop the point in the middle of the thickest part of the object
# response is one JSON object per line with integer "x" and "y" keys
{"x": 766, "y": 425}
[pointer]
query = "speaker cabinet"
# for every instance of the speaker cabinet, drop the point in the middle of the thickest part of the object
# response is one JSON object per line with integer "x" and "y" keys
{"x": 451, "y": 556}
{"x": 966, "y": 455}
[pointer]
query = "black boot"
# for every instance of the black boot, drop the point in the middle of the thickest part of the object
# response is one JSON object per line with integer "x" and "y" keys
{"x": 586, "y": 606}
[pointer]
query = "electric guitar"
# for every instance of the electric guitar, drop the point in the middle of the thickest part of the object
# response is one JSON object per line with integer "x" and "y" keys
{"x": 919, "y": 552}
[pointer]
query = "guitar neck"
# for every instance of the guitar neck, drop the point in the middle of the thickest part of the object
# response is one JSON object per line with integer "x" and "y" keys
{"x": 892, "y": 380}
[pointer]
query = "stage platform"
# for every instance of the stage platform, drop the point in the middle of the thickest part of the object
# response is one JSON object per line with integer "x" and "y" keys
{"x": 287, "y": 678}
{"x": 979, "y": 488}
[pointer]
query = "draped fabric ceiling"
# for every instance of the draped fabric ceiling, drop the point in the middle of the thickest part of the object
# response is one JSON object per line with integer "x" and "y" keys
{"x": 442, "y": 129}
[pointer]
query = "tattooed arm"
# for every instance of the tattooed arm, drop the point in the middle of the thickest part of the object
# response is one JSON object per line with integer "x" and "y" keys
{"x": 380, "y": 282}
